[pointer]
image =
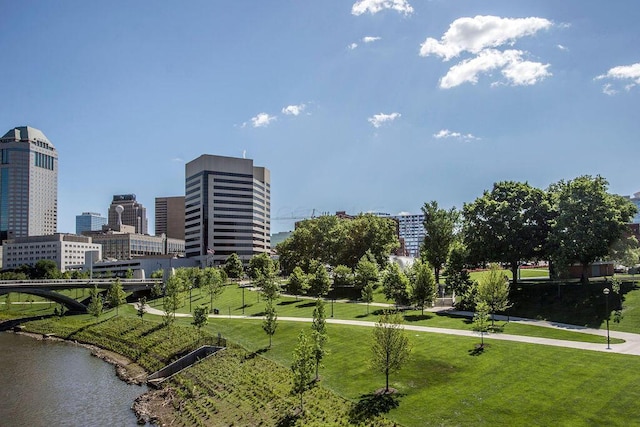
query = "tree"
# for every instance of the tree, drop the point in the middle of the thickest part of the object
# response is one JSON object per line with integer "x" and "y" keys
{"x": 366, "y": 272}
{"x": 319, "y": 282}
{"x": 481, "y": 320}
{"x": 200, "y": 318}
{"x": 172, "y": 299}
{"x": 45, "y": 269}
{"x": 270, "y": 323}
{"x": 493, "y": 290}
{"x": 423, "y": 285}
{"x": 625, "y": 251}
{"x": 319, "y": 335}
{"x": 302, "y": 366}
{"x": 589, "y": 221}
{"x": 459, "y": 279}
{"x": 297, "y": 283}
{"x": 211, "y": 281}
{"x": 142, "y": 308}
{"x": 260, "y": 264}
{"x": 268, "y": 283}
{"x": 95, "y": 304}
{"x": 390, "y": 348}
{"x": 128, "y": 274}
{"x": 116, "y": 295}
{"x": 395, "y": 285}
{"x": 233, "y": 266}
{"x": 509, "y": 224}
{"x": 367, "y": 295}
{"x": 342, "y": 276}
{"x": 440, "y": 226}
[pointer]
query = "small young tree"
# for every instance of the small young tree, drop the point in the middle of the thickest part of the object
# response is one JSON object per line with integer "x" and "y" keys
{"x": 493, "y": 289}
{"x": 128, "y": 274}
{"x": 297, "y": 283}
{"x": 267, "y": 281}
{"x": 366, "y": 272}
{"x": 481, "y": 320}
{"x": 211, "y": 281}
{"x": 319, "y": 281}
{"x": 142, "y": 308}
{"x": 95, "y": 304}
{"x": 200, "y": 318}
{"x": 233, "y": 267}
{"x": 395, "y": 285}
{"x": 172, "y": 299}
{"x": 423, "y": 285}
{"x": 390, "y": 348}
{"x": 367, "y": 294}
{"x": 270, "y": 323}
{"x": 302, "y": 366}
{"x": 342, "y": 276}
{"x": 116, "y": 295}
{"x": 319, "y": 334}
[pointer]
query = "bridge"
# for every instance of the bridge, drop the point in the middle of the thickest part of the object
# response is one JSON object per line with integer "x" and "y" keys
{"x": 49, "y": 288}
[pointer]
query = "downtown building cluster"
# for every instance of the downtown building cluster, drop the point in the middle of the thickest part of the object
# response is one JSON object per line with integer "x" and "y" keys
{"x": 226, "y": 209}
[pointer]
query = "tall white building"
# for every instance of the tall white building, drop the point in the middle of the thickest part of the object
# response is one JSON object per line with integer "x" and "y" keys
{"x": 227, "y": 208}
{"x": 28, "y": 184}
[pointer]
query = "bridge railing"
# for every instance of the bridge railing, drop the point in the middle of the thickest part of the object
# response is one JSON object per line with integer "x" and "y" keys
{"x": 75, "y": 282}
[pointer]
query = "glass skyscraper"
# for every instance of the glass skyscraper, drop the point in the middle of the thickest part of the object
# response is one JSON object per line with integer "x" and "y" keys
{"x": 89, "y": 221}
{"x": 28, "y": 184}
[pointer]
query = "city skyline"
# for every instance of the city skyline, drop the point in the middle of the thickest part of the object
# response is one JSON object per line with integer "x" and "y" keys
{"x": 358, "y": 106}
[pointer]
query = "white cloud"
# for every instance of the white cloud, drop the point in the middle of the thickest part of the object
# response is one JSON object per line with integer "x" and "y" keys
{"x": 629, "y": 74}
{"x": 446, "y": 133}
{"x": 262, "y": 120}
{"x": 375, "y": 6}
{"x": 177, "y": 160}
{"x": 379, "y": 119}
{"x": 352, "y": 46}
{"x": 562, "y": 47}
{"x": 482, "y": 36}
{"x": 370, "y": 39}
{"x": 293, "y": 110}
{"x": 515, "y": 70}
{"x": 481, "y": 32}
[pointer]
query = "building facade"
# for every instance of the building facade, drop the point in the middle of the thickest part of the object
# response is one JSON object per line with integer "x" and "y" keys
{"x": 227, "y": 208}
{"x": 124, "y": 246}
{"x": 67, "y": 250}
{"x": 170, "y": 216}
{"x": 411, "y": 230}
{"x": 133, "y": 213}
{"x": 89, "y": 221}
{"x": 28, "y": 184}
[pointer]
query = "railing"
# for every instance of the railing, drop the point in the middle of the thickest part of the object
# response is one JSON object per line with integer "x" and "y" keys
{"x": 50, "y": 282}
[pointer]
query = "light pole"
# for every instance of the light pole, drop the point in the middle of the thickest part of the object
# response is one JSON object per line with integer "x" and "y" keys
{"x": 190, "y": 287}
{"x": 605, "y": 291}
{"x": 243, "y": 300}
{"x": 332, "y": 300}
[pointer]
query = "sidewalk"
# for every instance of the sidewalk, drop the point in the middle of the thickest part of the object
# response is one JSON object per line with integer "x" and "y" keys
{"x": 631, "y": 345}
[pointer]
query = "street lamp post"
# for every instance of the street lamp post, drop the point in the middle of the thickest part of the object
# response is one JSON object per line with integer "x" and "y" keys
{"x": 332, "y": 300}
{"x": 190, "y": 287}
{"x": 606, "y": 291}
{"x": 243, "y": 300}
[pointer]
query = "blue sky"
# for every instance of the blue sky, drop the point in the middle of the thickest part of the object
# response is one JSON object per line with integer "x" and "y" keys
{"x": 369, "y": 105}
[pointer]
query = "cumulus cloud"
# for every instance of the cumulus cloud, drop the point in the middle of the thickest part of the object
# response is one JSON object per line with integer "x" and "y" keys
{"x": 293, "y": 110}
{"x": 446, "y": 134}
{"x": 482, "y": 36}
{"x": 379, "y": 119}
{"x": 262, "y": 120}
{"x": 562, "y": 47}
{"x": 352, "y": 46}
{"x": 370, "y": 39}
{"x": 374, "y": 6}
{"x": 627, "y": 74}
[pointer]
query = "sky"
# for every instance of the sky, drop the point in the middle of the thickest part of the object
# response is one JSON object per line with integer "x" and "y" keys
{"x": 360, "y": 105}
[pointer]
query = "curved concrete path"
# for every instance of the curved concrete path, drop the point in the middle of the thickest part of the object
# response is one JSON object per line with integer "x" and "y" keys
{"x": 631, "y": 345}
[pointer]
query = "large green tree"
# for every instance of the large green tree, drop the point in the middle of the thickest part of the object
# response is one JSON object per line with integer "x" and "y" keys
{"x": 260, "y": 264}
{"x": 588, "y": 222}
{"x": 440, "y": 226}
{"x": 233, "y": 266}
{"x": 395, "y": 284}
{"x": 508, "y": 224}
{"x": 459, "y": 279}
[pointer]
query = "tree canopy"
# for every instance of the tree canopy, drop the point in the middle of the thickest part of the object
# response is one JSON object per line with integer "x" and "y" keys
{"x": 440, "y": 228}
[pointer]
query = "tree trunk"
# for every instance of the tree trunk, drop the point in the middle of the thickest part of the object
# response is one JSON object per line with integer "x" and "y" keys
{"x": 514, "y": 272}
{"x": 584, "y": 279}
{"x": 436, "y": 272}
{"x": 386, "y": 372}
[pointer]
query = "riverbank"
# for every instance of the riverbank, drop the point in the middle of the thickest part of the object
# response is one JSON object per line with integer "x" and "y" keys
{"x": 150, "y": 407}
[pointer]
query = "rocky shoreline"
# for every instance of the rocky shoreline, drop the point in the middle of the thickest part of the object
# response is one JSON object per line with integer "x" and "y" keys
{"x": 151, "y": 407}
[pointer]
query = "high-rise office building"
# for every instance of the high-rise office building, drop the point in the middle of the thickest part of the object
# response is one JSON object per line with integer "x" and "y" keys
{"x": 410, "y": 231}
{"x": 89, "y": 221}
{"x": 227, "y": 208}
{"x": 133, "y": 213}
{"x": 170, "y": 216}
{"x": 28, "y": 184}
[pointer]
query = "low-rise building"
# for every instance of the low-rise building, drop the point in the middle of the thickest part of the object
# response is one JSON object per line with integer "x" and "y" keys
{"x": 67, "y": 250}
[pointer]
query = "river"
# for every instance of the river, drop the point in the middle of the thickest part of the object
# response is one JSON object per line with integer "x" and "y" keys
{"x": 52, "y": 383}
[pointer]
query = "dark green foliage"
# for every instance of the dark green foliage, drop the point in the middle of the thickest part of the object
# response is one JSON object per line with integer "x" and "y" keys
{"x": 366, "y": 272}
{"x": 423, "y": 285}
{"x": 319, "y": 282}
{"x": 342, "y": 276}
{"x": 233, "y": 267}
{"x": 297, "y": 283}
{"x": 395, "y": 285}
{"x": 260, "y": 264}
{"x": 459, "y": 280}
{"x": 95, "y": 304}
{"x": 440, "y": 227}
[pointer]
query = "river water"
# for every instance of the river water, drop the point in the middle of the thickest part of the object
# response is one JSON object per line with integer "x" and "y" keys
{"x": 50, "y": 383}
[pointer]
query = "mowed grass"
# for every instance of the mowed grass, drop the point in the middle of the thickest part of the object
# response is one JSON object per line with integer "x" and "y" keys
{"x": 230, "y": 303}
{"x": 445, "y": 384}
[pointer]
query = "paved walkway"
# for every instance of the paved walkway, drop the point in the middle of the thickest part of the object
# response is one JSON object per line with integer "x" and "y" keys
{"x": 630, "y": 346}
